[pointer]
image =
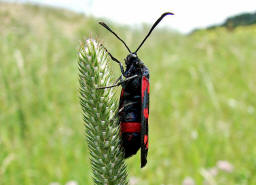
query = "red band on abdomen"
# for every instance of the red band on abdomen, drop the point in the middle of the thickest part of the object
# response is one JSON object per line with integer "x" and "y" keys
{"x": 130, "y": 127}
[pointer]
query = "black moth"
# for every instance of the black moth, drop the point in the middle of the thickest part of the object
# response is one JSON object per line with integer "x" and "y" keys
{"x": 134, "y": 100}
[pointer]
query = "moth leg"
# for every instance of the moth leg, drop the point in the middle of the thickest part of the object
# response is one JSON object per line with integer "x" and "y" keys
{"x": 119, "y": 83}
{"x": 115, "y": 84}
{"x": 120, "y": 78}
{"x": 114, "y": 59}
{"x": 122, "y": 108}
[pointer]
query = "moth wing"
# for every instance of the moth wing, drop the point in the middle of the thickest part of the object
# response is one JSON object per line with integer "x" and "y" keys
{"x": 144, "y": 116}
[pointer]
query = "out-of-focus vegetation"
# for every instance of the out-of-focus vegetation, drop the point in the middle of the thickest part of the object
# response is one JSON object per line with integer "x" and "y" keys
{"x": 244, "y": 19}
{"x": 202, "y": 111}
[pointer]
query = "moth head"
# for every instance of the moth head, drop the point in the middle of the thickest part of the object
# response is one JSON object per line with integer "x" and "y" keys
{"x": 131, "y": 58}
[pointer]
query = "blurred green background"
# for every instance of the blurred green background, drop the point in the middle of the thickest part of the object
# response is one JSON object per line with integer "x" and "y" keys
{"x": 202, "y": 111}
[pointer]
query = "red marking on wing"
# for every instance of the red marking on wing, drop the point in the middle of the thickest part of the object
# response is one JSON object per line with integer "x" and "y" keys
{"x": 121, "y": 99}
{"x": 145, "y": 111}
{"x": 145, "y": 85}
{"x": 130, "y": 137}
{"x": 122, "y": 92}
{"x": 146, "y": 140}
{"x": 130, "y": 127}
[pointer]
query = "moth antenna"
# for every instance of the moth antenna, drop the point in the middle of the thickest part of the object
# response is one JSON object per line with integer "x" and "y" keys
{"x": 153, "y": 27}
{"x": 109, "y": 29}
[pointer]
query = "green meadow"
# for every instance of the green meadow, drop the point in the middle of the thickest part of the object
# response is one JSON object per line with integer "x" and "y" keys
{"x": 202, "y": 100}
